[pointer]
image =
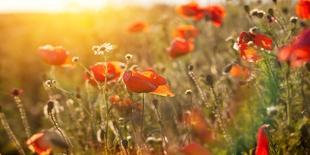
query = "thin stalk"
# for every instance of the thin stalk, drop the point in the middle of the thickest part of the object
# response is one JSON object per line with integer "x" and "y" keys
{"x": 10, "y": 133}
{"x": 142, "y": 121}
{"x": 23, "y": 115}
{"x": 288, "y": 102}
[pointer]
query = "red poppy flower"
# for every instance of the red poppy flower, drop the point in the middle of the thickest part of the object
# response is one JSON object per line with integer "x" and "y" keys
{"x": 298, "y": 51}
{"x": 195, "y": 119}
{"x": 54, "y": 55}
{"x": 303, "y": 9}
{"x": 146, "y": 82}
{"x": 248, "y": 52}
{"x": 186, "y": 32}
{"x": 180, "y": 47}
{"x": 191, "y": 10}
{"x": 114, "y": 70}
{"x": 139, "y": 26}
{"x": 195, "y": 149}
{"x": 237, "y": 71}
{"x": 215, "y": 13}
{"x": 262, "y": 147}
{"x": 39, "y": 143}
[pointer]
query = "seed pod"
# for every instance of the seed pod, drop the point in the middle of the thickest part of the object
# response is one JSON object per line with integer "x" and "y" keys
{"x": 246, "y": 8}
{"x": 190, "y": 67}
{"x": 285, "y": 10}
{"x": 16, "y": 92}
{"x": 294, "y": 19}
{"x": 128, "y": 57}
{"x": 303, "y": 24}
{"x": 209, "y": 80}
{"x": 50, "y": 106}
{"x": 271, "y": 12}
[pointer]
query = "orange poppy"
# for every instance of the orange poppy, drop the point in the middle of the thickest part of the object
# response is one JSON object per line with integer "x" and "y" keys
{"x": 262, "y": 147}
{"x": 39, "y": 143}
{"x": 237, "y": 71}
{"x": 114, "y": 70}
{"x": 195, "y": 119}
{"x": 248, "y": 52}
{"x": 195, "y": 149}
{"x": 180, "y": 47}
{"x": 186, "y": 32}
{"x": 303, "y": 9}
{"x": 191, "y": 10}
{"x": 54, "y": 55}
{"x": 298, "y": 51}
{"x": 138, "y": 26}
{"x": 146, "y": 82}
{"x": 215, "y": 13}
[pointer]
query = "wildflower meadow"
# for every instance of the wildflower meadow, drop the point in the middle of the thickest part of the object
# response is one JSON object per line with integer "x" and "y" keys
{"x": 189, "y": 78}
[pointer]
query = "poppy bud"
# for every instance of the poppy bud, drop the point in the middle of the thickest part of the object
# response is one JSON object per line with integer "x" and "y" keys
{"x": 246, "y": 8}
{"x": 188, "y": 92}
{"x": 16, "y": 92}
{"x": 285, "y": 10}
{"x": 209, "y": 80}
{"x": 274, "y": 1}
{"x": 294, "y": 19}
{"x": 124, "y": 143}
{"x": 155, "y": 103}
{"x": 271, "y": 12}
{"x": 50, "y": 106}
{"x": 190, "y": 67}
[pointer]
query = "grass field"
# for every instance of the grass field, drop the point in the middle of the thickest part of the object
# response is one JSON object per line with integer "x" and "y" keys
{"x": 228, "y": 78}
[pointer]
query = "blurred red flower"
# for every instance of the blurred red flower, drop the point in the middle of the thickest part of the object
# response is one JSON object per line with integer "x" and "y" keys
{"x": 262, "y": 147}
{"x": 179, "y": 47}
{"x": 239, "y": 72}
{"x": 39, "y": 143}
{"x": 303, "y": 9}
{"x": 54, "y": 55}
{"x": 146, "y": 82}
{"x": 248, "y": 52}
{"x": 138, "y": 26}
{"x": 215, "y": 13}
{"x": 114, "y": 70}
{"x": 298, "y": 51}
{"x": 195, "y": 149}
{"x": 191, "y": 10}
{"x": 195, "y": 119}
{"x": 186, "y": 32}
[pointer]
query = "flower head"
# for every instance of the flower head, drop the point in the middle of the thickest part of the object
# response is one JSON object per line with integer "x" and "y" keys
{"x": 262, "y": 147}
{"x": 297, "y": 52}
{"x": 179, "y": 47}
{"x": 191, "y": 10}
{"x": 186, "y": 32}
{"x": 54, "y": 55}
{"x": 215, "y": 13}
{"x": 100, "y": 72}
{"x": 138, "y": 26}
{"x": 303, "y": 9}
{"x": 146, "y": 82}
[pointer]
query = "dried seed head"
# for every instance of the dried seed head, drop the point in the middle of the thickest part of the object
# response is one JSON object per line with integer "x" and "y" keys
{"x": 16, "y": 92}
{"x": 128, "y": 56}
{"x": 271, "y": 12}
{"x": 48, "y": 83}
{"x": 209, "y": 80}
{"x": 75, "y": 59}
{"x": 260, "y": 14}
{"x": 253, "y": 30}
{"x": 254, "y": 12}
{"x": 190, "y": 67}
{"x": 294, "y": 19}
{"x": 246, "y": 8}
{"x": 50, "y": 106}
{"x": 188, "y": 92}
